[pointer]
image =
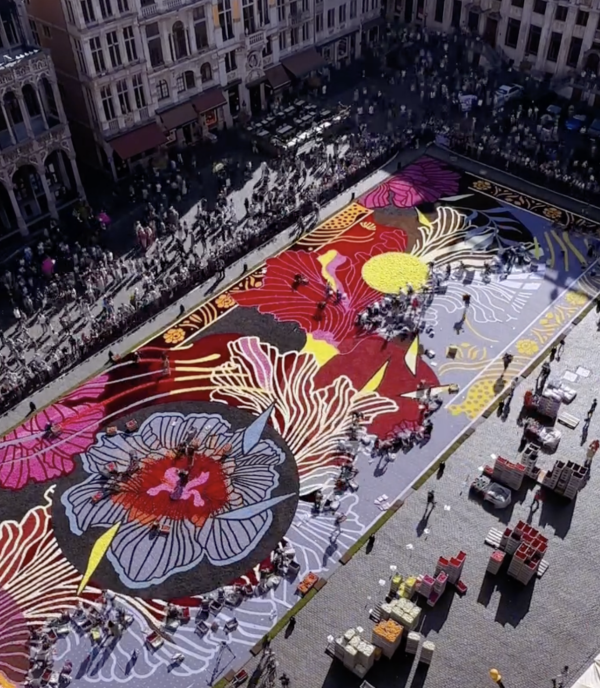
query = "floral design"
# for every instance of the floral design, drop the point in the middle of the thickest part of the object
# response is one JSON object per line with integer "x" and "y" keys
{"x": 425, "y": 181}
{"x": 215, "y": 504}
{"x": 332, "y": 266}
{"x": 174, "y": 336}
{"x": 527, "y": 347}
{"x": 482, "y": 185}
{"x": 312, "y": 418}
{"x": 576, "y": 298}
{"x": 225, "y": 301}
{"x": 31, "y": 453}
{"x": 553, "y": 213}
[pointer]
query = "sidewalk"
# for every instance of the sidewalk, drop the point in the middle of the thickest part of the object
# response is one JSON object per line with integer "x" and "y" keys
{"x": 95, "y": 364}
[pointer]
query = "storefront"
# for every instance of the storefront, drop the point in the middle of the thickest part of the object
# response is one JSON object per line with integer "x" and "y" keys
{"x": 135, "y": 146}
{"x": 256, "y": 94}
{"x": 181, "y": 122}
{"x": 342, "y": 51}
{"x": 304, "y": 66}
{"x": 371, "y": 30}
{"x": 210, "y": 105}
{"x": 278, "y": 82}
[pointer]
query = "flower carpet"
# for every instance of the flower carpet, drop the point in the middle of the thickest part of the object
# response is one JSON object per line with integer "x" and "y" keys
{"x": 180, "y": 470}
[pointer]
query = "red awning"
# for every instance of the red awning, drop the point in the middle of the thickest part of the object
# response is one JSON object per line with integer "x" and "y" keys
{"x": 138, "y": 141}
{"x": 303, "y": 63}
{"x": 277, "y": 77}
{"x": 209, "y": 100}
{"x": 178, "y": 116}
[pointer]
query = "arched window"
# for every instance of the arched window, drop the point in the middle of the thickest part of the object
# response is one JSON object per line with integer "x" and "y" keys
{"x": 13, "y": 108}
{"x": 189, "y": 79}
{"x": 162, "y": 89}
{"x": 592, "y": 63}
{"x": 206, "y": 72}
{"x": 180, "y": 48}
{"x": 31, "y": 100}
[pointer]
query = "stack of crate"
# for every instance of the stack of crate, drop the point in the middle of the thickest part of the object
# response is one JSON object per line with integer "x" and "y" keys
{"x": 439, "y": 587}
{"x": 425, "y": 585}
{"x": 387, "y": 635}
{"x": 566, "y": 478}
{"x": 413, "y": 640}
{"x": 508, "y": 473}
{"x": 528, "y": 555}
{"x": 427, "y": 651}
{"x": 405, "y": 612}
{"x": 453, "y": 568}
{"x": 355, "y": 652}
{"x": 529, "y": 459}
{"x": 495, "y": 562}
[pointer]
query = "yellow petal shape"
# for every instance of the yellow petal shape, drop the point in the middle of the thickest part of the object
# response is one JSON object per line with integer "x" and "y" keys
{"x": 323, "y": 351}
{"x": 326, "y": 260}
{"x": 97, "y": 554}
{"x": 536, "y": 248}
{"x": 423, "y": 220}
{"x": 412, "y": 355}
{"x": 375, "y": 381}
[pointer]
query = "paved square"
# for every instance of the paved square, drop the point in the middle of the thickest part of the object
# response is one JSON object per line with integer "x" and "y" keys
{"x": 181, "y": 468}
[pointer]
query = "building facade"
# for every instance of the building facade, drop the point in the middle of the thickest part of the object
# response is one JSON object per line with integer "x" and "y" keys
{"x": 140, "y": 75}
{"x": 38, "y": 170}
{"x": 553, "y": 39}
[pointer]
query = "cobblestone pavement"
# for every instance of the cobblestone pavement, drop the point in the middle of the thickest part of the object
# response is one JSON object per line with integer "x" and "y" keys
{"x": 528, "y": 633}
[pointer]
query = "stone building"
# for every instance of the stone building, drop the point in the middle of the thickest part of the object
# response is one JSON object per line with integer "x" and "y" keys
{"x": 38, "y": 170}
{"x": 141, "y": 75}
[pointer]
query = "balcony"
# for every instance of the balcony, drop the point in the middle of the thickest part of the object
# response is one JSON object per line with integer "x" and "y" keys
{"x": 255, "y": 39}
{"x": 299, "y": 18}
{"x": 165, "y": 6}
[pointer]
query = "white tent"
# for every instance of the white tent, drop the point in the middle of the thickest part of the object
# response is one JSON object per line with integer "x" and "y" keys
{"x": 590, "y": 677}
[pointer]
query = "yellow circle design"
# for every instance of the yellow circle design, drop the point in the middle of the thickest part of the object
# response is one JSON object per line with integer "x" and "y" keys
{"x": 527, "y": 347}
{"x": 576, "y": 298}
{"x": 174, "y": 335}
{"x": 390, "y": 273}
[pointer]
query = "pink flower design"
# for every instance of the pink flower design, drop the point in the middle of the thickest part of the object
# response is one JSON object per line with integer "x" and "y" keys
{"x": 170, "y": 483}
{"x": 425, "y": 181}
{"x": 31, "y": 454}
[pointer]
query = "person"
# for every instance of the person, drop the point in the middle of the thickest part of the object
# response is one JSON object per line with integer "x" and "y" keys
{"x": 441, "y": 469}
{"x": 292, "y": 622}
{"x": 506, "y": 360}
{"x": 537, "y": 498}
{"x": 430, "y": 499}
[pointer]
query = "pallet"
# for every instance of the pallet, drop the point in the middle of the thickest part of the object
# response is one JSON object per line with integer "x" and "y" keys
{"x": 542, "y": 568}
{"x": 493, "y": 538}
{"x": 375, "y": 613}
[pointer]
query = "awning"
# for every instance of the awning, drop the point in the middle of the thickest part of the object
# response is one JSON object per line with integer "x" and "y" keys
{"x": 138, "y": 141}
{"x": 257, "y": 82}
{"x": 179, "y": 115}
{"x": 303, "y": 63}
{"x": 496, "y": 16}
{"x": 209, "y": 100}
{"x": 338, "y": 38}
{"x": 277, "y": 77}
{"x": 475, "y": 8}
{"x": 372, "y": 23}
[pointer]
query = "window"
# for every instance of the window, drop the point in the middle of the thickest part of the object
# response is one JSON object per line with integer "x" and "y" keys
{"x": 560, "y": 14}
{"x": 123, "y": 96}
{"x": 582, "y": 18}
{"x": 200, "y": 30}
{"x": 138, "y": 91}
{"x": 294, "y": 36}
{"x": 517, "y": 3}
{"x": 281, "y": 10}
{"x": 107, "y": 103}
{"x": 342, "y": 13}
{"x": 352, "y": 9}
{"x": 539, "y": 6}
{"x": 574, "y": 52}
{"x": 70, "y": 13}
{"x": 106, "y": 9}
{"x": 123, "y": 6}
{"x": 282, "y": 40}
{"x": 365, "y": 6}
{"x": 206, "y": 72}
{"x": 130, "y": 46}
{"x": 248, "y": 16}
{"x": 162, "y": 90}
{"x": 554, "y": 46}
{"x": 268, "y": 49}
{"x": 512, "y": 33}
{"x": 114, "y": 51}
{"x": 533, "y": 40}
{"x": 180, "y": 84}
{"x": 225, "y": 19}
{"x": 230, "y": 63}
{"x": 47, "y": 31}
{"x": 439, "y": 11}
{"x": 154, "y": 42}
{"x": 190, "y": 79}
{"x": 374, "y": 4}
{"x": 293, "y": 8}
{"x": 179, "y": 48}
{"x": 80, "y": 56}
{"x": 34, "y": 32}
{"x": 87, "y": 9}
{"x": 456, "y": 14}
{"x": 97, "y": 55}
{"x": 305, "y": 32}
{"x": 330, "y": 18}
{"x": 305, "y": 5}
{"x": 91, "y": 105}
{"x": 319, "y": 22}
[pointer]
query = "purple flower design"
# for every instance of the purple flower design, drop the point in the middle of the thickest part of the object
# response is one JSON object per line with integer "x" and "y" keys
{"x": 425, "y": 181}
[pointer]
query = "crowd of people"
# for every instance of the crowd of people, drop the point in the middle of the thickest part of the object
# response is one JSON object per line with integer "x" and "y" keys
{"x": 75, "y": 285}
{"x": 63, "y": 293}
